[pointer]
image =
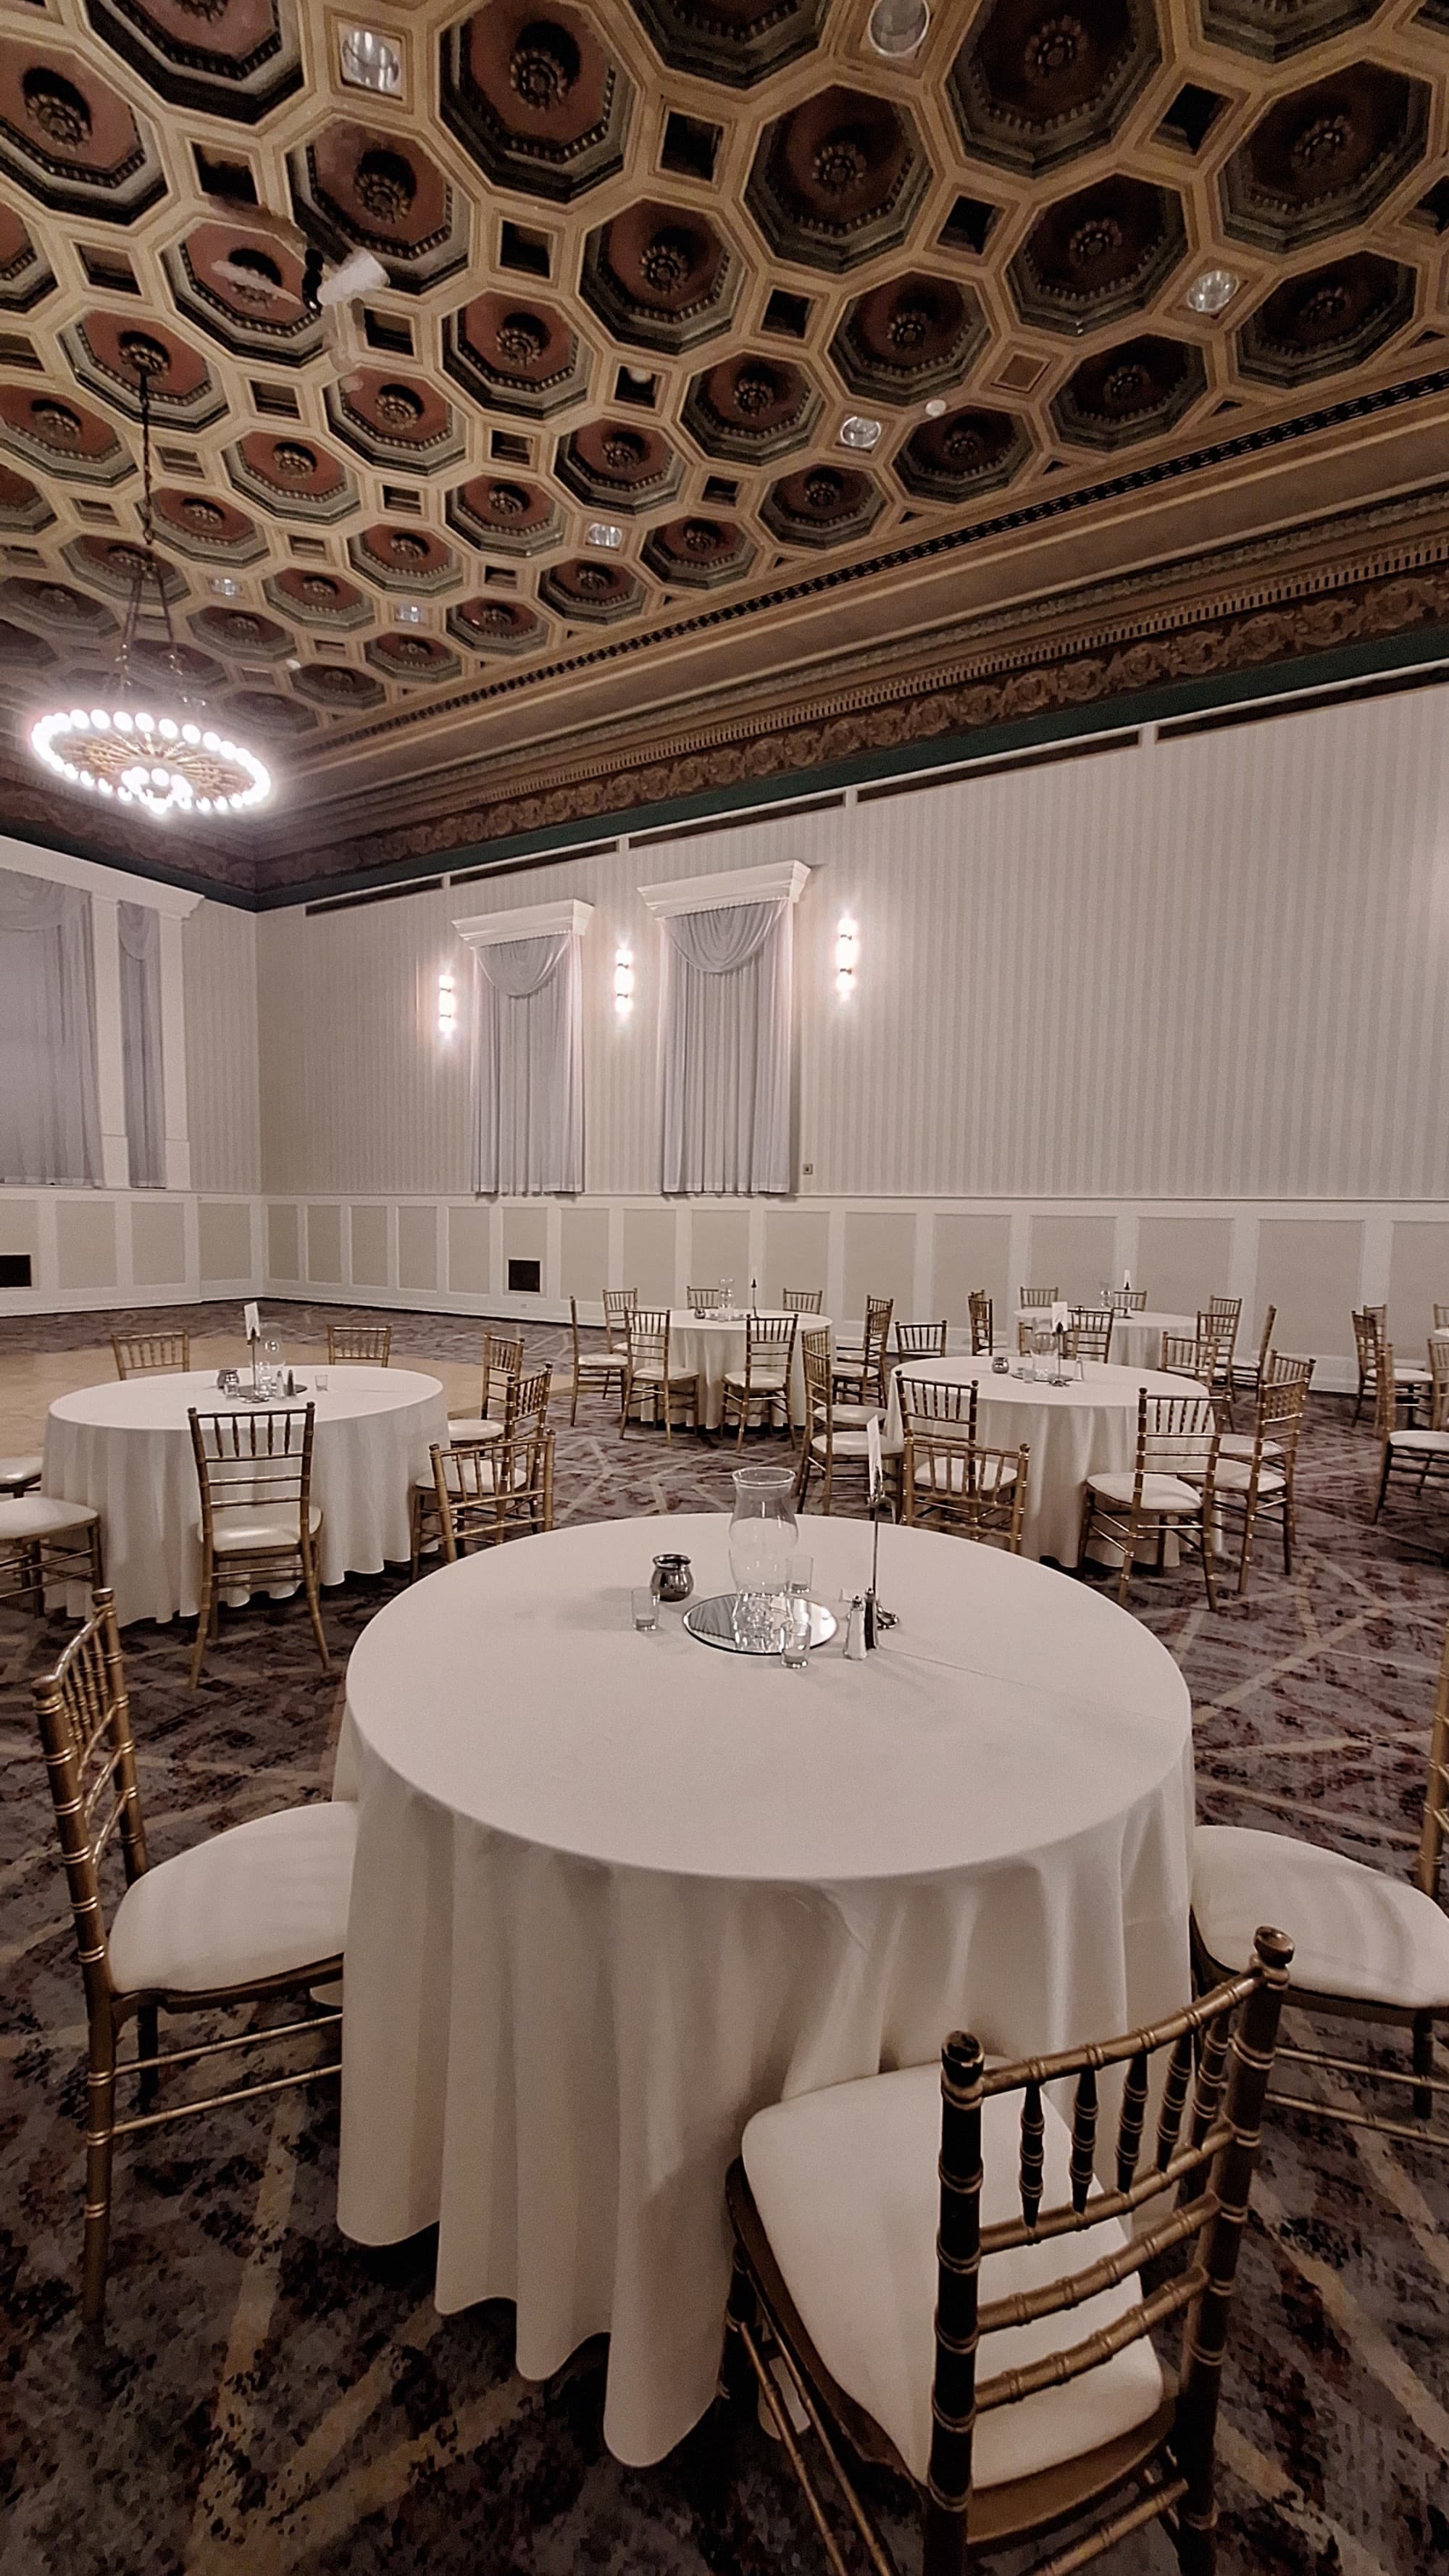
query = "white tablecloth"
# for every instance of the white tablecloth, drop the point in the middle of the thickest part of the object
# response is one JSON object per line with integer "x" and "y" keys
{"x": 614, "y": 1893}
{"x": 1136, "y": 1339}
{"x": 126, "y": 1448}
{"x": 1088, "y": 1428}
{"x": 711, "y": 1348}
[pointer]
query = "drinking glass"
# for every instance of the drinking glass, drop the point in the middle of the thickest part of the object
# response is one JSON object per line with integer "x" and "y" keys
{"x": 645, "y": 1608}
{"x": 795, "y": 1645}
{"x": 320, "y": 1380}
{"x": 802, "y": 1573}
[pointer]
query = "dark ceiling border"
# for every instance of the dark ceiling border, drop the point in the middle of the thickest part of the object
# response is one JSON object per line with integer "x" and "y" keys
{"x": 1265, "y": 690}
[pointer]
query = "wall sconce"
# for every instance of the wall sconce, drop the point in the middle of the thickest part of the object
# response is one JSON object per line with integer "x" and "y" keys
{"x": 623, "y": 982}
{"x": 847, "y": 950}
{"x": 447, "y": 1006}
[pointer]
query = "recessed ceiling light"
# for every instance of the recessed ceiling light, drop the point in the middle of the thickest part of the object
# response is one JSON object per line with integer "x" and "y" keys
{"x": 935, "y": 409}
{"x": 407, "y": 613}
{"x": 857, "y": 431}
{"x": 602, "y": 532}
{"x": 369, "y": 61}
{"x": 1215, "y": 288}
{"x": 224, "y": 586}
{"x": 293, "y": 662}
{"x": 898, "y": 27}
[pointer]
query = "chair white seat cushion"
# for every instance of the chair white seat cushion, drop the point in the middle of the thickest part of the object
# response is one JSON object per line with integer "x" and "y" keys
{"x": 854, "y": 1417}
{"x": 1355, "y": 1931}
{"x": 474, "y": 1426}
{"x": 845, "y": 2182}
{"x": 762, "y": 1381}
{"x": 246, "y": 1525}
{"x": 600, "y": 1363}
{"x": 16, "y": 1473}
{"x": 1235, "y": 1475}
{"x": 1410, "y": 1375}
{"x": 1240, "y": 1444}
{"x": 847, "y": 1444}
{"x": 1159, "y": 1493}
{"x": 252, "y": 1903}
{"x": 1431, "y": 1444}
{"x": 651, "y": 1373}
{"x": 944, "y": 1473}
{"x": 26, "y": 1516}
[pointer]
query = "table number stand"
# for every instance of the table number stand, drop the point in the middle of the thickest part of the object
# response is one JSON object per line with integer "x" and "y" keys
{"x": 877, "y": 1617}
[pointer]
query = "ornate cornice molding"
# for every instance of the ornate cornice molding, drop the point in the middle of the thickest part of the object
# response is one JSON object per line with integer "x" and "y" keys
{"x": 1314, "y": 589}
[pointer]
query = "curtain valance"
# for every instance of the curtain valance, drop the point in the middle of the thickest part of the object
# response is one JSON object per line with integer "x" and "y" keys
{"x": 725, "y": 1030}
{"x": 138, "y": 932}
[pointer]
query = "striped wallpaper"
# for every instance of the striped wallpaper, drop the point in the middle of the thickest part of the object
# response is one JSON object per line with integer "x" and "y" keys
{"x": 1215, "y": 968}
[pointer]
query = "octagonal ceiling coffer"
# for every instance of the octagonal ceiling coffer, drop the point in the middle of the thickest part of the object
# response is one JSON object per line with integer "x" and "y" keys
{"x": 619, "y": 465}
{"x": 514, "y": 353}
{"x": 530, "y": 92}
{"x": 1270, "y": 30}
{"x": 822, "y": 505}
{"x": 1332, "y": 318}
{"x": 585, "y": 587}
{"x": 1097, "y": 255}
{"x": 660, "y": 276}
{"x": 837, "y": 179}
{"x": 503, "y": 511}
{"x": 1324, "y": 157}
{"x": 496, "y": 626}
{"x": 737, "y": 42}
{"x": 699, "y": 551}
{"x": 353, "y": 189}
{"x": 238, "y": 62}
{"x": 1137, "y": 390}
{"x": 1037, "y": 84}
{"x": 969, "y": 450}
{"x": 751, "y": 408}
{"x": 70, "y": 140}
{"x": 911, "y": 337}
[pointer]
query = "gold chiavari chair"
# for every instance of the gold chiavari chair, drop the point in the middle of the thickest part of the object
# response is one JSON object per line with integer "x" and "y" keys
{"x": 802, "y": 1301}
{"x": 1196, "y": 1355}
{"x": 1422, "y": 1455}
{"x": 1262, "y": 1481}
{"x": 1090, "y": 1333}
{"x": 255, "y": 1913}
{"x": 921, "y": 1341}
{"x": 525, "y": 1403}
{"x": 1247, "y": 1375}
{"x": 904, "y": 2243}
{"x": 618, "y": 1305}
{"x": 1136, "y": 1301}
{"x": 947, "y": 1478}
{"x": 151, "y": 1354}
{"x": 1038, "y": 1296}
{"x": 649, "y": 1375}
{"x": 485, "y": 1494}
{"x": 978, "y": 1306}
{"x": 860, "y": 1367}
{"x": 1217, "y": 1322}
{"x": 1411, "y": 1384}
{"x": 502, "y": 1369}
{"x": 828, "y": 1445}
{"x": 259, "y": 1523}
{"x": 764, "y": 1381}
{"x": 47, "y": 1541}
{"x": 595, "y": 1372}
{"x": 1369, "y": 1948}
{"x": 366, "y": 1342}
{"x": 1167, "y": 1492}
{"x": 1279, "y": 1369}
{"x": 704, "y": 1301}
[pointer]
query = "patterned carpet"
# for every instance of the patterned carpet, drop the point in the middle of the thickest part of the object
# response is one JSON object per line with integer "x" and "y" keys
{"x": 269, "y": 2399}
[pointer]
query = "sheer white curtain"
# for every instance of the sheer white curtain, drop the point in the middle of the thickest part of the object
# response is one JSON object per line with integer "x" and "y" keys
{"x": 724, "y": 1042}
{"x": 139, "y": 931}
{"x": 529, "y": 1066}
{"x": 49, "y": 1112}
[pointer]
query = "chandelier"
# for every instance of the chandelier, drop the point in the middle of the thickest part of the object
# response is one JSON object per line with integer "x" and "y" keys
{"x": 127, "y": 752}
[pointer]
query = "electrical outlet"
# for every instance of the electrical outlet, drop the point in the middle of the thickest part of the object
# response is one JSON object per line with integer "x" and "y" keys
{"x": 807, "y": 1171}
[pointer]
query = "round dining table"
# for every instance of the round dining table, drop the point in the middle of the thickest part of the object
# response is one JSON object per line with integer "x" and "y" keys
{"x": 1136, "y": 1338}
{"x": 125, "y": 1447}
{"x": 614, "y": 1892}
{"x": 1085, "y": 1428}
{"x": 710, "y": 1346}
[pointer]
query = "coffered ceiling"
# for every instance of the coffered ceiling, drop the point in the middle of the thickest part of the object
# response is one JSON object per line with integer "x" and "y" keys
{"x": 715, "y": 352}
